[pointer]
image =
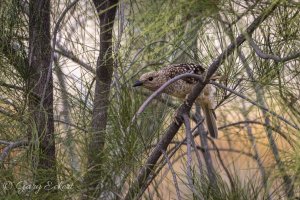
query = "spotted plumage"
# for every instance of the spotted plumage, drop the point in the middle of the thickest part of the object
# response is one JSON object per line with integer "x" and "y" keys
{"x": 177, "y": 69}
{"x": 181, "y": 88}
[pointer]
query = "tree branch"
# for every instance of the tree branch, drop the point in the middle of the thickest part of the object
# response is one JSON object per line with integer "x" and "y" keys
{"x": 55, "y": 31}
{"x": 160, "y": 90}
{"x": 185, "y": 108}
{"x": 69, "y": 54}
{"x": 256, "y": 104}
{"x": 173, "y": 174}
{"x": 189, "y": 150}
{"x": 276, "y": 58}
{"x": 11, "y": 86}
{"x": 11, "y": 146}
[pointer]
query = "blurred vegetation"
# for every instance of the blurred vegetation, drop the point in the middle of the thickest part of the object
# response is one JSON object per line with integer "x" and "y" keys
{"x": 255, "y": 157}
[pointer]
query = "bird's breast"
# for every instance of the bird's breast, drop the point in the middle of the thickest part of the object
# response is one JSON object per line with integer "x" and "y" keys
{"x": 179, "y": 89}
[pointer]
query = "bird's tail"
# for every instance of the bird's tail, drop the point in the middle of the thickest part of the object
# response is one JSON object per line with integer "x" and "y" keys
{"x": 210, "y": 121}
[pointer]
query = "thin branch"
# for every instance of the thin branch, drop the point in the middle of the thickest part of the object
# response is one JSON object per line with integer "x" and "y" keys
{"x": 246, "y": 122}
{"x": 196, "y": 152}
{"x": 276, "y": 58}
{"x": 256, "y": 104}
{"x": 5, "y": 142}
{"x": 240, "y": 122}
{"x": 161, "y": 99}
{"x": 256, "y": 153}
{"x": 189, "y": 149}
{"x": 201, "y": 149}
{"x": 233, "y": 151}
{"x": 159, "y": 91}
{"x": 3, "y": 84}
{"x": 207, "y": 157}
{"x": 69, "y": 54}
{"x": 173, "y": 174}
{"x": 66, "y": 114}
{"x": 219, "y": 149}
{"x": 259, "y": 95}
{"x": 171, "y": 153}
{"x": 223, "y": 164}
{"x": 11, "y": 146}
{"x": 55, "y": 31}
{"x": 229, "y": 25}
{"x": 241, "y": 39}
{"x": 6, "y": 113}
{"x": 71, "y": 124}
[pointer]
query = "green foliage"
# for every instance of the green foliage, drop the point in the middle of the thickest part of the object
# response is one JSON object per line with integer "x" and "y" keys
{"x": 13, "y": 37}
{"x": 155, "y": 33}
{"x": 249, "y": 189}
{"x": 166, "y": 29}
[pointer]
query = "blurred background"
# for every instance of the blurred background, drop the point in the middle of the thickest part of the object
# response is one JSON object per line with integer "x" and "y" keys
{"x": 67, "y": 101}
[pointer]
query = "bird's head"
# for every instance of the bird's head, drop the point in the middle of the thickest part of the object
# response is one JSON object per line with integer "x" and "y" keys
{"x": 150, "y": 80}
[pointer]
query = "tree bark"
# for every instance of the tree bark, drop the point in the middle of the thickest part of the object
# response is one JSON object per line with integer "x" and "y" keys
{"x": 40, "y": 88}
{"x": 106, "y": 11}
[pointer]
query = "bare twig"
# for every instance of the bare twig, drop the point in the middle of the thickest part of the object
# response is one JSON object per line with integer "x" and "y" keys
{"x": 173, "y": 174}
{"x": 256, "y": 153}
{"x": 171, "y": 153}
{"x": 55, "y": 31}
{"x": 222, "y": 163}
{"x": 69, "y": 54}
{"x": 4, "y": 112}
{"x": 5, "y": 142}
{"x": 196, "y": 152}
{"x": 65, "y": 113}
{"x": 158, "y": 92}
{"x": 256, "y": 104}
{"x": 276, "y": 58}
{"x": 207, "y": 157}
{"x": 247, "y": 122}
{"x": 259, "y": 95}
{"x": 11, "y": 146}
{"x": 11, "y": 86}
{"x": 189, "y": 149}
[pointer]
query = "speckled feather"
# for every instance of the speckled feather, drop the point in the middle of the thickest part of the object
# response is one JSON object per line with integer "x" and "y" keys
{"x": 177, "y": 69}
{"x": 181, "y": 88}
{"x": 184, "y": 86}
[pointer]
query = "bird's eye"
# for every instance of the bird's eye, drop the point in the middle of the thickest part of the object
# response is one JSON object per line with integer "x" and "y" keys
{"x": 150, "y": 78}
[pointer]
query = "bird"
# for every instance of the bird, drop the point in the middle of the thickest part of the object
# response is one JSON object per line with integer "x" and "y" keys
{"x": 155, "y": 79}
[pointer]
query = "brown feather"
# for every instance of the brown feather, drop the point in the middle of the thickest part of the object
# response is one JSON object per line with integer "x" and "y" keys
{"x": 177, "y": 69}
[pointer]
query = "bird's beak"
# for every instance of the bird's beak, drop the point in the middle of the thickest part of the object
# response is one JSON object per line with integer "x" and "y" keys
{"x": 137, "y": 83}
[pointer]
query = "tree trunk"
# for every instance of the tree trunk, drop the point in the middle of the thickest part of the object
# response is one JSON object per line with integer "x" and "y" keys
{"x": 106, "y": 11}
{"x": 40, "y": 87}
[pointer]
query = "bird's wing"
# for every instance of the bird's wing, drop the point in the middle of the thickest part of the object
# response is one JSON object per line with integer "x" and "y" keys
{"x": 177, "y": 69}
